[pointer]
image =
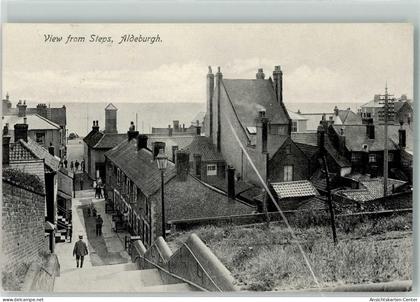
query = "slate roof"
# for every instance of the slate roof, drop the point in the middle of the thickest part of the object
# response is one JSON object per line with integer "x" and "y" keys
{"x": 300, "y": 188}
{"x": 111, "y": 107}
{"x": 348, "y": 117}
{"x": 204, "y": 146}
{"x": 139, "y": 166}
{"x": 101, "y": 140}
{"x": 22, "y": 151}
{"x": 33, "y": 167}
{"x": 34, "y": 121}
{"x": 249, "y": 96}
{"x": 221, "y": 184}
{"x": 309, "y": 150}
{"x": 308, "y": 138}
{"x": 356, "y": 137}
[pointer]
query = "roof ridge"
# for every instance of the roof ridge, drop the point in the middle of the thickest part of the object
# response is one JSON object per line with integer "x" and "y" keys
{"x": 46, "y": 120}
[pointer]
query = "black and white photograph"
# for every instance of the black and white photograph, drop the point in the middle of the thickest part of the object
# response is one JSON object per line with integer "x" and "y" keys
{"x": 176, "y": 158}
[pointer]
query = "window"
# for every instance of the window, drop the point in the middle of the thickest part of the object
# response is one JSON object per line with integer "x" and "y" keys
{"x": 212, "y": 169}
{"x": 368, "y": 114}
{"x": 372, "y": 158}
{"x": 355, "y": 157}
{"x": 40, "y": 138}
{"x": 294, "y": 126}
{"x": 288, "y": 173}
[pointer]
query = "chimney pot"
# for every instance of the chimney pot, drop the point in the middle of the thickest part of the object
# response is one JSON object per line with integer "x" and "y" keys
{"x": 278, "y": 83}
{"x": 260, "y": 74}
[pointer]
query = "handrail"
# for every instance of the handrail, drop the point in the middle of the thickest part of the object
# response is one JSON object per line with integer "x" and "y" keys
{"x": 198, "y": 262}
{"x": 171, "y": 274}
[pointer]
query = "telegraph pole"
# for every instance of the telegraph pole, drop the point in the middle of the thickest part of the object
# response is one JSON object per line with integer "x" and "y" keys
{"x": 387, "y": 113}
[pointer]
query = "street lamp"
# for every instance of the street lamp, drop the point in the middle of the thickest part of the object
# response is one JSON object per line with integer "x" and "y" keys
{"x": 162, "y": 162}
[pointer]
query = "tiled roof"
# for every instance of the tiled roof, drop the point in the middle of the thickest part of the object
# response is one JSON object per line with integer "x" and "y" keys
{"x": 110, "y": 140}
{"x": 139, "y": 166}
{"x": 308, "y": 138}
{"x": 309, "y": 150}
{"x": 301, "y": 188}
{"x": 33, "y": 167}
{"x": 356, "y": 137}
{"x": 204, "y": 146}
{"x": 18, "y": 152}
{"x": 314, "y": 203}
{"x": 34, "y": 121}
{"x": 249, "y": 96}
{"x": 40, "y": 152}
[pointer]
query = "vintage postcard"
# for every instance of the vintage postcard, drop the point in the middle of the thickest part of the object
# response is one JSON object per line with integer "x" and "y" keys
{"x": 207, "y": 157}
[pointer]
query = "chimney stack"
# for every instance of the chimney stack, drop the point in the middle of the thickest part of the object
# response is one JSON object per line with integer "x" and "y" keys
{"x": 219, "y": 78}
{"x": 21, "y": 108}
{"x": 51, "y": 149}
{"x": 198, "y": 128}
{"x": 278, "y": 83}
{"x": 141, "y": 142}
{"x": 41, "y": 109}
{"x": 321, "y": 138}
{"x": 174, "y": 149}
{"x": 176, "y": 126}
{"x": 260, "y": 74}
{"x": 21, "y": 132}
{"x": 6, "y": 146}
{"x": 132, "y": 133}
{"x": 156, "y": 148}
{"x": 209, "y": 114}
{"x": 231, "y": 182}
{"x": 95, "y": 126}
{"x": 182, "y": 164}
{"x": 370, "y": 129}
{"x": 401, "y": 137}
{"x": 262, "y": 130}
{"x": 335, "y": 110}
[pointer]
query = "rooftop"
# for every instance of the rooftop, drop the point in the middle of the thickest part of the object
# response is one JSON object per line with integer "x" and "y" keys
{"x": 204, "y": 146}
{"x": 296, "y": 116}
{"x": 111, "y": 107}
{"x": 33, "y": 167}
{"x": 300, "y": 188}
{"x": 181, "y": 141}
{"x": 34, "y": 121}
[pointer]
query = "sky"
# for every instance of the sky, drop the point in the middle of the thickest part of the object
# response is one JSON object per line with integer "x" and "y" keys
{"x": 321, "y": 62}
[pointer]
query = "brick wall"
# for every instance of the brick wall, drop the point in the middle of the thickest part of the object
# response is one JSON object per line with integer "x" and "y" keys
{"x": 23, "y": 220}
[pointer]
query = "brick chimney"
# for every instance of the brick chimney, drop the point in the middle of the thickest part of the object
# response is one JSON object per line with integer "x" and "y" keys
{"x": 21, "y": 131}
{"x": 209, "y": 113}
{"x": 231, "y": 182}
{"x": 156, "y": 148}
{"x": 141, "y": 142}
{"x": 321, "y": 138}
{"x": 262, "y": 131}
{"x": 401, "y": 137}
{"x": 176, "y": 126}
{"x": 182, "y": 164}
{"x": 51, "y": 149}
{"x": 370, "y": 129}
{"x": 174, "y": 149}
{"x": 95, "y": 126}
{"x": 260, "y": 74}
{"x": 278, "y": 83}
{"x": 219, "y": 78}
{"x": 41, "y": 109}
{"x": 111, "y": 119}
{"x": 132, "y": 133}
{"x": 6, "y": 146}
{"x": 21, "y": 108}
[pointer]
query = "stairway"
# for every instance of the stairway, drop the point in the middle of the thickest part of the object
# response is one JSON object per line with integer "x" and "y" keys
{"x": 115, "y": 278}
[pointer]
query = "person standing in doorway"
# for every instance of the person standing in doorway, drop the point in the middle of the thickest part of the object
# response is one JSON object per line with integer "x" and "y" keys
{"x": 99, "y": 223}
{"x": 80, "y": 251}
{"x": 65, "y": 163}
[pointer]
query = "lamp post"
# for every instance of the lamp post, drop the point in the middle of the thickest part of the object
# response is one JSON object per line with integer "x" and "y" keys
{"x": 162, "y": 162}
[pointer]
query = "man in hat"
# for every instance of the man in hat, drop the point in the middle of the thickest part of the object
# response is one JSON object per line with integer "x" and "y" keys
{"x": 80, "y": 251}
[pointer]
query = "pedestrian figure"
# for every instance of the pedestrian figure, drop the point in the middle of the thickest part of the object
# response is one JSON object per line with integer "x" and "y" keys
{"x": 80, "y": 251}
{"x": 99, "y": 222}
{"x": 77, "y": 165}
{"x": 65, "y": 163}
{"x": 94, "y": 212}
{"x": 71, "y": 165}
{"x": 99, "y": 187}
{"x": 81, "y": 184}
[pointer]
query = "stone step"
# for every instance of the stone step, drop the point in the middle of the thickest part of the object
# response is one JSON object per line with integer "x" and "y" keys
{"x": 177, "y": 287}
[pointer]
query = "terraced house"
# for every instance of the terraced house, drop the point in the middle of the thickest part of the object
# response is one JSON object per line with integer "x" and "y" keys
{"x": 133, "y": 185}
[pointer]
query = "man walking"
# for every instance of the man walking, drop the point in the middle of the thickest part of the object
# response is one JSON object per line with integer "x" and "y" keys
{"x": 80, "y": 251}
{"x": 99, "y": 223}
